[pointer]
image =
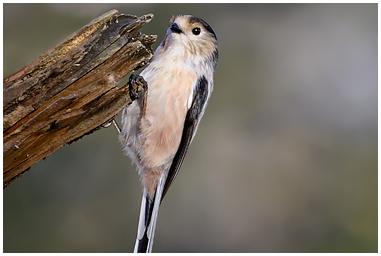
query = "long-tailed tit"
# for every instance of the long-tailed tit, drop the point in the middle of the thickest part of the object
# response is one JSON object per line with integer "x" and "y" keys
{"x": 159, "y": 126}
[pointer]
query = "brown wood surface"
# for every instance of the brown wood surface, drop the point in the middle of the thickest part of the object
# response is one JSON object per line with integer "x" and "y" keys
{"x": 70, "y": 90}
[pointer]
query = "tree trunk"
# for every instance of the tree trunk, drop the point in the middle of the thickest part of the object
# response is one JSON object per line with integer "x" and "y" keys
{"x": 70, "y": 90}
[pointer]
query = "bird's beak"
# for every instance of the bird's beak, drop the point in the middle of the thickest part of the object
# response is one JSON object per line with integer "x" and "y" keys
{"x": 175, "y": 28}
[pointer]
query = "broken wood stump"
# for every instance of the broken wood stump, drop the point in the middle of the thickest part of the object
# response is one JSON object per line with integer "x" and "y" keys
{"x": 70, "y": 90}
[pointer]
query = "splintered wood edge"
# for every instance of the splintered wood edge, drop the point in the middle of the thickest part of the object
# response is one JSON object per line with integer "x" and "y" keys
{"x": 74, "y": 40}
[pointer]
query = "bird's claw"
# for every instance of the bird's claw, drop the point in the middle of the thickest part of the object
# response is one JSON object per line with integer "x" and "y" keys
{"x": 137, "y": 86}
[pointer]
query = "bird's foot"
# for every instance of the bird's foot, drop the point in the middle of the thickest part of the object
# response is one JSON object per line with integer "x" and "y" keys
{"x": 137, "y": 86}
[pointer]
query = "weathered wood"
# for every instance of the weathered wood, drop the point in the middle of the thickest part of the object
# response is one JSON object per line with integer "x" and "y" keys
{"x": 70, "y": 90}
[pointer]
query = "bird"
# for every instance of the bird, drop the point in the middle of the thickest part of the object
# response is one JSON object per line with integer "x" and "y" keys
{"x": 158, "y": 127}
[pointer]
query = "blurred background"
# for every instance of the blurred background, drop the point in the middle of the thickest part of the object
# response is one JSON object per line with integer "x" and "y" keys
{"x": 285, "y": 158}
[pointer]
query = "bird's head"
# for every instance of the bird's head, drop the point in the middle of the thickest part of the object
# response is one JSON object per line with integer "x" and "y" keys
{"x": 191, "y": 36}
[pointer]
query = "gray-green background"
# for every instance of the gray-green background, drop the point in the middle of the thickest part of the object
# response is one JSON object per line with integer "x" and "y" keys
{"x": 285, "y": 158}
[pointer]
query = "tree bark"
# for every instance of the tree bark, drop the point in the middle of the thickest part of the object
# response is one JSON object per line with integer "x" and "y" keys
{"x": 70, "y": 90}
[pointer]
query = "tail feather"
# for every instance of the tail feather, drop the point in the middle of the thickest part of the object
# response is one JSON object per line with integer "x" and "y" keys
{"x": 146, "y": 214}
{"x": 149, "y": 211}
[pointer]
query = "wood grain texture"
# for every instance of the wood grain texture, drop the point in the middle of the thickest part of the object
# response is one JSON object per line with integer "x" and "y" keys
{"x": 70, "y": 90}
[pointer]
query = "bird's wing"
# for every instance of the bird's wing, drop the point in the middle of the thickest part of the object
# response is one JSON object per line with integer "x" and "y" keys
{"x": 200, "y": 98}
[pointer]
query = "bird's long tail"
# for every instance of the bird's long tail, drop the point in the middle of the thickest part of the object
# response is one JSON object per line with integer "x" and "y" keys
{"x": 149, "y": 211}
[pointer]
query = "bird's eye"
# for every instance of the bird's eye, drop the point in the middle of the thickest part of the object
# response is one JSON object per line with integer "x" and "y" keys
{"x": 196, "y": 31}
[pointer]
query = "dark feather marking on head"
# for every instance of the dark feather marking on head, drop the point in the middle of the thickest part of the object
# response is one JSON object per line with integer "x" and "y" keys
{"x": 206, "y": 25}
